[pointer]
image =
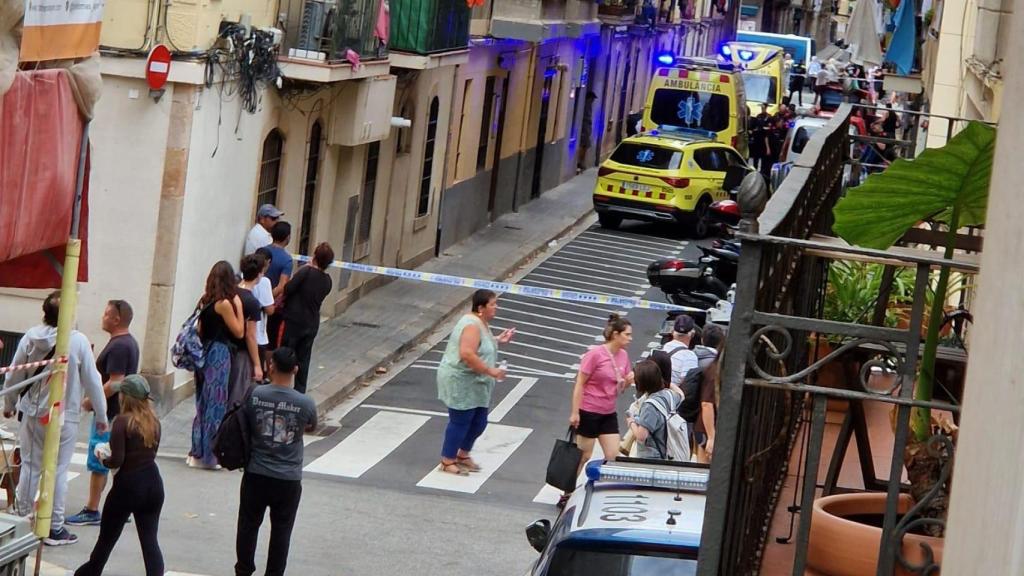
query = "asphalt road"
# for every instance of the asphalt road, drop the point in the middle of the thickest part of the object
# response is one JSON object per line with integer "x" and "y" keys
{"x": 373, "y": 500}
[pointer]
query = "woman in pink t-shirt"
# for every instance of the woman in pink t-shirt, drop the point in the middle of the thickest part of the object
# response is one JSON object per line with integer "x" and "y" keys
{"x": 605, "y": 372}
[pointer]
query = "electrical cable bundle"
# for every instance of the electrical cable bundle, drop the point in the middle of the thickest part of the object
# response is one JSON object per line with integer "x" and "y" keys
{"x": 250, "y": 61}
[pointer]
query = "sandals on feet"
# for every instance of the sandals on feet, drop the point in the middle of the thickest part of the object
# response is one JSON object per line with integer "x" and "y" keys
{"x": 562, "y": 500}
{"x": 467, "y": 463}
{"x": 452, "y": 468}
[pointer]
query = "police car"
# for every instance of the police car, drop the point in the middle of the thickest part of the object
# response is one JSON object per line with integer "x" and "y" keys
{"x": 633, "y": 517}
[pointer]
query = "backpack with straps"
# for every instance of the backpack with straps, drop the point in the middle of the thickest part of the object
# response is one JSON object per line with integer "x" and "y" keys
{"x": 676, "y": 445}
{"x": 187, "y": 351}
{"x": 231, "y": 442}
{"x": 689, "y": 409}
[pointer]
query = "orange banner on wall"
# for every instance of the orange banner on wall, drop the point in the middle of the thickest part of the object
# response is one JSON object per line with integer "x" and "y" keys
{"x": 61, "y": 29}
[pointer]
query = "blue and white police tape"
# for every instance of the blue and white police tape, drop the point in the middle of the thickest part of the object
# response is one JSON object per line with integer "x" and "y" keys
{"x": 505, "y": 287}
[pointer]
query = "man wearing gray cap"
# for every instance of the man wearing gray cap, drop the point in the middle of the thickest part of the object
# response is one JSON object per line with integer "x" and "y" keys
{"x": 259, "y": 235}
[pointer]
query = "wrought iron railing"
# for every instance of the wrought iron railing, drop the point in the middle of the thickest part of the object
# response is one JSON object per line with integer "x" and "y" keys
{"x": 769, "y": 395}
{"x": 328, "y": 29}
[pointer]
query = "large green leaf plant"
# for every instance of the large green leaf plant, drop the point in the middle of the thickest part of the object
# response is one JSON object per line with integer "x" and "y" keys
{"x": 948, "y": 185}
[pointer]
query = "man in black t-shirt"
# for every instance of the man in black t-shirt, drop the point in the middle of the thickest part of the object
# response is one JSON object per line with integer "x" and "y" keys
{"x": 247, "y": 367}
{"x": 119, "y": 358}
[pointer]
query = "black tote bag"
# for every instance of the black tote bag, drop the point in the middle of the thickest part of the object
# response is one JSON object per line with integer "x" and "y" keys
{"x": 564, "y": 464}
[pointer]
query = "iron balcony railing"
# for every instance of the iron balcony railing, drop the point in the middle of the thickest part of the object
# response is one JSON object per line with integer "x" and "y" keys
{"x": 325, "y": 30}
{"x": 429, "y": 26}
{"x": 770, "y": 400}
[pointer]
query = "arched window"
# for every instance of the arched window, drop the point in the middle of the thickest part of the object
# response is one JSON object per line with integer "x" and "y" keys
{"x": 309, "y": 190}
{"x": 428, "y": 160}
{"x": 270, "y": 168}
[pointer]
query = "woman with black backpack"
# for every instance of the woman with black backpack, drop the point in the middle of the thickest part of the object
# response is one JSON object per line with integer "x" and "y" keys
{"x": 220, "y": 324}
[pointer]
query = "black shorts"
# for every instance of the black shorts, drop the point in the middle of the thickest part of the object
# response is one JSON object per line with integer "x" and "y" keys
{"x": 700, "y": 438}
{"x": 593, "y": 424}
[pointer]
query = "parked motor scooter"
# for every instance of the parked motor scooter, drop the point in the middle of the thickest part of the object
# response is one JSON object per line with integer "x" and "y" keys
{"x": 722, "y": 262}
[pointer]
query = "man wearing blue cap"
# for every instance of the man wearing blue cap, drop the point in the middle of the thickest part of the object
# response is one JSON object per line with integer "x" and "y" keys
{"x": 678, "y": 349}
{"x": 259, "y": 235}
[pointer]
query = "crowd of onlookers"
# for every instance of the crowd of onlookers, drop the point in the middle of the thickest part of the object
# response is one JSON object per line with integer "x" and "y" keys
{"x": 256, "y": 326}
{"x": 880, "y": 115}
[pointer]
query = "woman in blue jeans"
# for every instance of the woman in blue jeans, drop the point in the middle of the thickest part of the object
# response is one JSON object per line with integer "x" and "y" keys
{"x": 465, "y": 380}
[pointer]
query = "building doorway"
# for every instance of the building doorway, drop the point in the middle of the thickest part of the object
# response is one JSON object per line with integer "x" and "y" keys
{"x": 542, "y": 131}
{"x": 501, "y": 96}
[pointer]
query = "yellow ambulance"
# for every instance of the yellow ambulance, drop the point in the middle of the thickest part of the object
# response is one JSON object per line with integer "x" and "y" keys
{"x": 701, "y": 95}
{"x": 762, "y": 68}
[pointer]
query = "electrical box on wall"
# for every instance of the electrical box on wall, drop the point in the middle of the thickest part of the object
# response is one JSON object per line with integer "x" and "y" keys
{"x": 362, "y": 112}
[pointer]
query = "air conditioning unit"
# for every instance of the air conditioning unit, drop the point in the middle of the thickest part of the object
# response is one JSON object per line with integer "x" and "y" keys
{"x": 312, "y": 25}
{"x": 362, "y": 112}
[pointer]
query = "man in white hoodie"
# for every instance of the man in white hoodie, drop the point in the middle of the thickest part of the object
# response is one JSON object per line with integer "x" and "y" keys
{"x": 82, "y": 377}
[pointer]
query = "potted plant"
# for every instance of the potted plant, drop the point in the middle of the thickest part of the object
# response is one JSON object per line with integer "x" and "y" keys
{"x": 947, "y": 185}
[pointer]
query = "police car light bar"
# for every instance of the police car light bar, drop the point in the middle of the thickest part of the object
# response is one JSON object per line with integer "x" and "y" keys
{"x": 693, "y": 480}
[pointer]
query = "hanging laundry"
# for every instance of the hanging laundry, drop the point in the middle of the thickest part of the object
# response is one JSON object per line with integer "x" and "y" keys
{"x": 904, "y": 39}
{"x": 382, "y": 30}
{"x": 353, "y": 58}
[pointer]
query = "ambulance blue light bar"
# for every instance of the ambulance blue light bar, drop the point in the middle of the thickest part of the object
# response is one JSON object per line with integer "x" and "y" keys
{"x": 691, "y": 480}
{"x": 726, "y": 51}
{"x": 667, "y": 58}
{"x": 746, "y": 55}
{"x": 682, "y": 130}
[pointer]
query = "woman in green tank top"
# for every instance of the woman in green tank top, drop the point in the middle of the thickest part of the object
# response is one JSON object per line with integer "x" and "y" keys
{"x": 465, "y": 380}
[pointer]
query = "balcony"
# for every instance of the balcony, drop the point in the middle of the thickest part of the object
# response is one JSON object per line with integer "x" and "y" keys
{"x": 535, "y": 20}
{"x": 321, "y": 34}
{"x": 803, "y": 383}
{"x": 429, "y": 26}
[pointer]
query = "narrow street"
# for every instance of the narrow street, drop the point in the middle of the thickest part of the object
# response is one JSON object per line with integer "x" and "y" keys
{"x": 371, "y": 491}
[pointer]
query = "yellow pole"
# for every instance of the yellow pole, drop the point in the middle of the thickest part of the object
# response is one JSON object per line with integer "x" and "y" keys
{"x": 51, "y": 445}
{"x": 65, "y": 320}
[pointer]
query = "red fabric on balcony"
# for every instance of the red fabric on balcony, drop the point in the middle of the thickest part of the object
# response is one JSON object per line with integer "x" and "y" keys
{"x": 40, "y": 133}
{"x": 382, "y": 30}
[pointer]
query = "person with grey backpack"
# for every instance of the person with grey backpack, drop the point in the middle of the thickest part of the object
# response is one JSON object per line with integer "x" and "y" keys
{"x": 659, "y": 430}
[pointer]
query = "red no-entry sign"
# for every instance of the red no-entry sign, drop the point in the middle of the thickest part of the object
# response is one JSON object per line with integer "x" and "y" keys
{"x": 158, "y": 66}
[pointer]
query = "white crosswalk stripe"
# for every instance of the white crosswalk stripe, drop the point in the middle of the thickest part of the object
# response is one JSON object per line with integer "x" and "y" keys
{"x": 368, "y": 445}
{"x": 497, "y": 443}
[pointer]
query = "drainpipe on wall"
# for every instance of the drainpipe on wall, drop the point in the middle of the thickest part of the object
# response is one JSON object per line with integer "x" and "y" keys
{"x": 165, "y": 253}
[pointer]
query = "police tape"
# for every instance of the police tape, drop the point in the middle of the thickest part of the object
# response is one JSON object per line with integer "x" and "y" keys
{"x": 509, "y": 288}
{"x": 31, "y": 365}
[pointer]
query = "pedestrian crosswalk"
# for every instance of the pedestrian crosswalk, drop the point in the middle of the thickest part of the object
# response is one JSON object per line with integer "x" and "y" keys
{"x": 394, "y": 436}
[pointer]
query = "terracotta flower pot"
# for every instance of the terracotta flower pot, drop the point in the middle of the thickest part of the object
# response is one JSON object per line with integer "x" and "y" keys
{"x": 841, "y": 544}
